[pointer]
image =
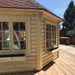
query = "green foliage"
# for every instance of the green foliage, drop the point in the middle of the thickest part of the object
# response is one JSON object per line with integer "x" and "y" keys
{"x": 69, "y": 17}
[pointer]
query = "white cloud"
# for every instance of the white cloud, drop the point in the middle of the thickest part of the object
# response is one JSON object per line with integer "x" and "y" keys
{"x": 60, "y": 10}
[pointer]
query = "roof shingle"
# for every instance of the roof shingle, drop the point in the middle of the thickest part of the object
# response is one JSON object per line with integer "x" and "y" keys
{"x": 20, "y": 4}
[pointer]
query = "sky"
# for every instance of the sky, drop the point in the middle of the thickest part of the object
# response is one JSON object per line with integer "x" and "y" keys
{"x": 58, "y": 7}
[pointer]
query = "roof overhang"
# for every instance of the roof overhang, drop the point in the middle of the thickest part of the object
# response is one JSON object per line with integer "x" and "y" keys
{"x": 46, "y": 12}
{"x": 52, "y": 15}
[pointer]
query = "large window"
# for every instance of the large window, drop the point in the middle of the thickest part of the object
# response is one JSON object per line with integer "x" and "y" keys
{"x": 50, "y": 36}
{"x": 12, "y": 37}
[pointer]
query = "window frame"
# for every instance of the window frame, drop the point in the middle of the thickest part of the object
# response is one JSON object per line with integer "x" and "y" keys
{"x": 12, "y": 51}
{"x": 55, "y": 45}
{"x": 6, "y": 51}
{"x": 19, "y": 37}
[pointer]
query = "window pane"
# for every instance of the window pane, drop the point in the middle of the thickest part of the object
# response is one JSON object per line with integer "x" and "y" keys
{"x": 47, "y": 43}
{"x": 46, "y": 35}
{"x": 16, "y": 26}
{"x": 0, "y": 45}
{"x": 0, "y": 35}
{"x": 0, "y": 26}
{"x": 19, "y": 36}
{"x": 22, "y": 26}
{"x": 22, "y": 44}
{"x": 49, "y": 27}
{"x": 46, "y": 27}
{"x": 49, "y": 35}
{"x": 6, "y": 44}
{"x": 16, "y": 45}
{"x": 15, "y": 35}
{"x": 6, "y": 35}
{"x": 22, "y": 35}
{"x": 5, "y": 25}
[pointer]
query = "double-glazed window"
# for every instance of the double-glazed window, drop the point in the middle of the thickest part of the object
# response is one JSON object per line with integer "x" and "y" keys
{"x": 50, "y": 36}
{"x": 12, "y": 37}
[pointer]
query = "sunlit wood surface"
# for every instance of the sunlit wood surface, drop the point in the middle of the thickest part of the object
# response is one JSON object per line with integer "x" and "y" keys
{"x": 64, "y": 65}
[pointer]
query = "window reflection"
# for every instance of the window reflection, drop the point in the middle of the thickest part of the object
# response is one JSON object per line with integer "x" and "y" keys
{"x": 22, "y": 26}
{"x": 6, "y": 44}
{"x": 50, "y": 36}
{"x": 4, "y": 36}
{"x": 15, "y": 26}
{"x": 16, "y": 45}
{"x": 5, "y": 25}
{"x": 15, "y": 35}
{"x": 19, "y": 36}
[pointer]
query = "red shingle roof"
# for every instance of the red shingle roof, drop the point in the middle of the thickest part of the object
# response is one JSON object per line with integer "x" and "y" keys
{"x": 23, "y": 4}
{"x": 20, "y": 4}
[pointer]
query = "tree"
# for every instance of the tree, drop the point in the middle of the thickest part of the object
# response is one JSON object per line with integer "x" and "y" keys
{"x": 69, "y": 16}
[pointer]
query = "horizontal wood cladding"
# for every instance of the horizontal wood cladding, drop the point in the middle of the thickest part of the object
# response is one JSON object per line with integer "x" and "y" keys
{"x": 32, "y": 57}
{"x": 16, "y": 69}
{"x": 47, "y": 57}
{"x": 30, "y": 62}
{"x": 47, "y": 61}
{"x": 36, "y": 57}
{"x": 10, "y": 11}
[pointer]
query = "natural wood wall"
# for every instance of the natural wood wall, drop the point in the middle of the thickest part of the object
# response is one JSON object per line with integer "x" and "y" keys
{"x": 48, "y": 56}
{"x": 30, "y": 60}
{"x": 36, "y": 55}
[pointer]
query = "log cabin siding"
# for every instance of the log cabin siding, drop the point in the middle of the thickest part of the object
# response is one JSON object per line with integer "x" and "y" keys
{"x": 48, "y": 56}
{"x": 30, "y": 61}
{"x": 36, "y": 55}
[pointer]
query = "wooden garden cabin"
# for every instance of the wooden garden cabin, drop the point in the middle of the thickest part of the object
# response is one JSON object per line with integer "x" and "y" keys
{"x": 29, "y": 36}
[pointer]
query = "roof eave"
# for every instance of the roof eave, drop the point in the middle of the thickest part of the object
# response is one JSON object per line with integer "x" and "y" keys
{"x": 53, "y": 14}
{"x": 37, "y": 9}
